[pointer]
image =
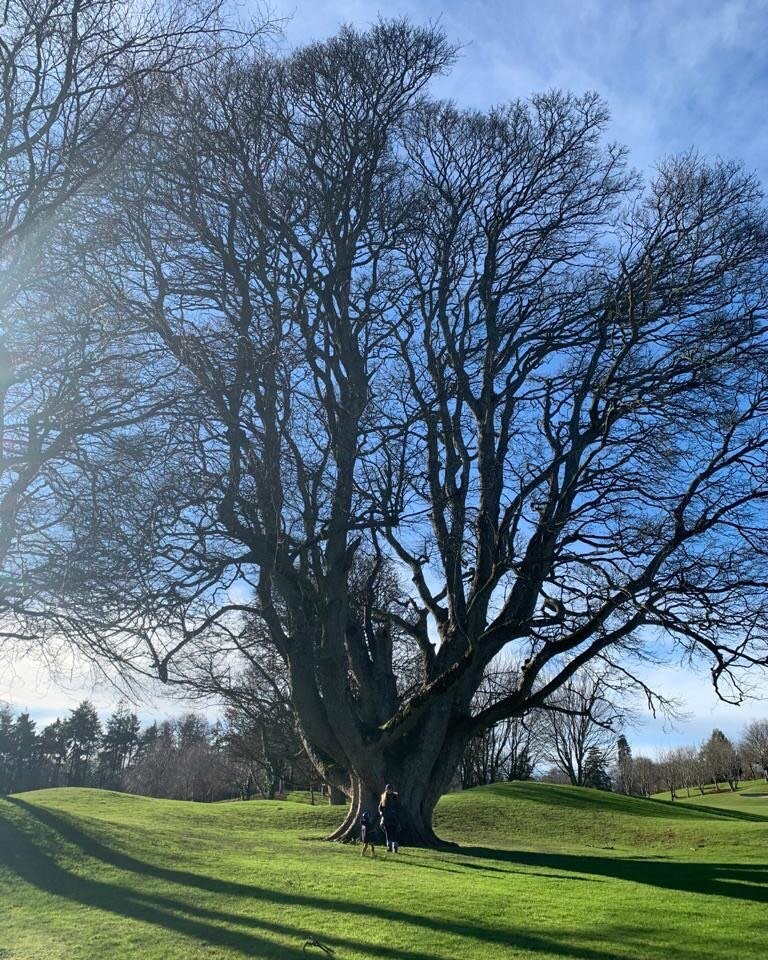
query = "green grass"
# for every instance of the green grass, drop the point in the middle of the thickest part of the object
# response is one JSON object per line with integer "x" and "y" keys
{"x": 542, "y": 871}
{"x": 751, "y": 796}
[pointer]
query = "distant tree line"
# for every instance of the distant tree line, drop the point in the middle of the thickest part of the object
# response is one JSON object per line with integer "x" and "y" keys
{"x": 576, "y": 742}
{"x": 717, "y": 764}
{"x": 252, "y": 753}
{"x": 187, "y": 758}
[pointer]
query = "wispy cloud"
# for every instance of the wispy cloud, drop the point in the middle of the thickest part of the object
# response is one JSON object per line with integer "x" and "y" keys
{"x": 676, "y": 75}
{"x": 48, "y": 690}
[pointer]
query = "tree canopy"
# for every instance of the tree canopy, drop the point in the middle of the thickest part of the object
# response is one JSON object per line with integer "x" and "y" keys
{"x": 399, "y": 388}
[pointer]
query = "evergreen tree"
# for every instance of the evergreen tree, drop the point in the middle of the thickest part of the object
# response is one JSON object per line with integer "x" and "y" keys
{"x": 25, "y": 753}
{"x": 118, "y": 745}
{"x": 151, "y": 771}
{"x": 146, "y": 741}
{"x": 6, "y": 749}
{"x": 54, "y": 750}
{"x": 624, "y": 778}
{"x": 84, "y": 734}
{"x": 595, "y": 770}
{"x": 191, "y": 729}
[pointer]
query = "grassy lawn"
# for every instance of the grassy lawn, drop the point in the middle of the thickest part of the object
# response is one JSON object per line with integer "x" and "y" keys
{"x": 751, "y": 796}
{"x": 542, "y": 871}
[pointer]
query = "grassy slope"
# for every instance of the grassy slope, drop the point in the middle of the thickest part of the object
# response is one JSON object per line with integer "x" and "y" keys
{"x": 751, "y": 796}
{"x": 543, "y": 872}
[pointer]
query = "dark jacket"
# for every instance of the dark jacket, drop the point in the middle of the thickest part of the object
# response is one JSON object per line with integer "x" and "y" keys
{"x": 389, "y": 810}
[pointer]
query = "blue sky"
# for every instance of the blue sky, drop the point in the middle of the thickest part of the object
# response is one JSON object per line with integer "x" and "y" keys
{"x": 676, "y": 75}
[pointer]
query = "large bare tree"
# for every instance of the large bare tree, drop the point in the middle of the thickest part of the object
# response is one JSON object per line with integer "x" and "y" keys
{"x": 437, "y": 385}
{"x": 78, "y": 80}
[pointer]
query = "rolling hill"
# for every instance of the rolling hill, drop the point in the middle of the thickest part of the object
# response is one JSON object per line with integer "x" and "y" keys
{"x": 538, "y": 871}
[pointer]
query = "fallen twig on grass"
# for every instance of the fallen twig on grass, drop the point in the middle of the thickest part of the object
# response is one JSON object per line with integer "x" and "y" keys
{"x": 314, "y": 942}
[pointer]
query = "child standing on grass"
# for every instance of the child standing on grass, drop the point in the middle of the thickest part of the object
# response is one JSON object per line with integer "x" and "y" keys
{"x": 366, "y": 833}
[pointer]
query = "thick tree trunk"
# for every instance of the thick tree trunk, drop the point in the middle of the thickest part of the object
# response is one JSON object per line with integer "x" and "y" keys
{"x": 336, "y": 796}
{"x": 417, "y": 802}
{"x": 420, "y": 771}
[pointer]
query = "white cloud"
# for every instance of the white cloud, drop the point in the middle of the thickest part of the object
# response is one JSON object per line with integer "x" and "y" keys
{"x": 675, "y": 74}
{"x": 48, "y": 690}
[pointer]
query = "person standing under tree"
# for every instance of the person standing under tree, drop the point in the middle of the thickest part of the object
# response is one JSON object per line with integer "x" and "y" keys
{"x": 389, "y": 811}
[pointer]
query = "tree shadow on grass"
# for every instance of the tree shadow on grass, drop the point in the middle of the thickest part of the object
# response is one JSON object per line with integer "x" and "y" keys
{"x": 207, "y": 926}
{"x": 20, "y": 852}
{"x": 461, "y": 866}
{"x": 739, "y": 881}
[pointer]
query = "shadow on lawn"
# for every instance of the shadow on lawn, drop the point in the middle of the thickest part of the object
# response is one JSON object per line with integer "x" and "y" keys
{"x": 22, "y": 855}
{"x": 19, "y": 852}
{"x": 734, "y": 880}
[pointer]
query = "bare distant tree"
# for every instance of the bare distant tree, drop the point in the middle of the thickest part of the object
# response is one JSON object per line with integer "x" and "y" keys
{"x": 508, "y": 750}
{"x": 182, "y": 760}
{"x": 754, "y": 745}
{"x": 152, "y": 773}
{"x": 721, "y": 761}
{"x": 692, "y": 769}
{"x": 671, "y": 771}
{"x": 262, "y": 731}
{"x": 579, "y": 718}
{"x": 467, "y": 347}
{"x": 645, "y": 775}
{"x": 681, "y": 768}
{"x": 555, "y": 775}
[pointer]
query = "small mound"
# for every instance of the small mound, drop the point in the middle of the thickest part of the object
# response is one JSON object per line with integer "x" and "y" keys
{"x": 525, "y": 814}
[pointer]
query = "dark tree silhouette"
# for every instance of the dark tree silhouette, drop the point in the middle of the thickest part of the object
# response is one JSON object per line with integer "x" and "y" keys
{"x": 83, "y": 732}
{"x": 54, "y": 747}
{"x": 624, "y": 778}
{"x": 431, "y": 385}
{"x": 596, "y": 770}
{"x": 119, "y": 745}
{"x": 78, "y": 81}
